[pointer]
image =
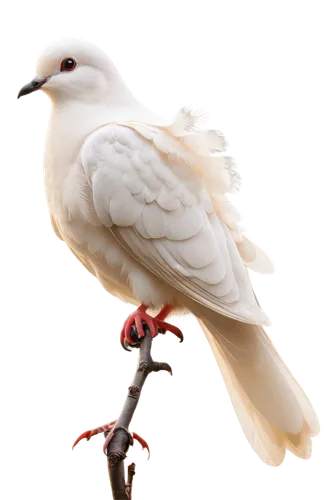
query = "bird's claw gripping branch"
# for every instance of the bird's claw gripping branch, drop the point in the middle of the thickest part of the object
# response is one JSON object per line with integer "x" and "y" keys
{"x": 137, "y": 322}
{"x": 106, "y": 430}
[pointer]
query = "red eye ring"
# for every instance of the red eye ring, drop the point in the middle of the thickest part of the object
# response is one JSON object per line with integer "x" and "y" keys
{"x": 68, "y": 64}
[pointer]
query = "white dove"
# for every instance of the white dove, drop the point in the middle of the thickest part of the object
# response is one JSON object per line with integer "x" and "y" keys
{"x": 141, "y": 202}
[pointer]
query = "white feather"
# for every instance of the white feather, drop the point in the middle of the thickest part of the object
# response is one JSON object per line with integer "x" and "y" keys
{"x": 198, "y": 245}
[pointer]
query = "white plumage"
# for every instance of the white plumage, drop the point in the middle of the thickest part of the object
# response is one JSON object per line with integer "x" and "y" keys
{"x": 142, "y": 203}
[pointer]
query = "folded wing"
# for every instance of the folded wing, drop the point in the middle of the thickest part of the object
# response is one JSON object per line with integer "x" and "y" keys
{"x": 159, "y": 208}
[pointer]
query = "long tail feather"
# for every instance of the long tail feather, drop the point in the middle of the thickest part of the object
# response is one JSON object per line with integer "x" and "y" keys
{"x": 273, "y": 410}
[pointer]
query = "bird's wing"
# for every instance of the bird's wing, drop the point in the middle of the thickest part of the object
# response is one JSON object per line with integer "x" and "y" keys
{"x": 157, "y": 205}
{"x": 253, "y": 255}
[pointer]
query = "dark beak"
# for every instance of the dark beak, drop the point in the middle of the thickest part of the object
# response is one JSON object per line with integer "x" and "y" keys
{"x": 31, "y": 87}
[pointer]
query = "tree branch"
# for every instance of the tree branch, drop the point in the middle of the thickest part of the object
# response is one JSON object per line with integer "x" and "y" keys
{"x": 119, "y": 444}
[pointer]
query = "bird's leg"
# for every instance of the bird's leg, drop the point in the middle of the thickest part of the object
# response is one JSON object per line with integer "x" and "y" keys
{"x": 164, "y": 312}
{"x": 134, "y": 326}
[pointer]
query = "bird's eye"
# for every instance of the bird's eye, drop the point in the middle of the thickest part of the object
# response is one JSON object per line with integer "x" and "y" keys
{"x": 68, "y": 64}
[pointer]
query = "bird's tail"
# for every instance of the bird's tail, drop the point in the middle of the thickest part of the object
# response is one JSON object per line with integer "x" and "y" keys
{"x": 273, "y": 410}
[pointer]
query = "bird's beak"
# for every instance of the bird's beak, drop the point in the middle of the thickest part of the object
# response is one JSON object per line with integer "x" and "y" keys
{"x": 35, "y": 84}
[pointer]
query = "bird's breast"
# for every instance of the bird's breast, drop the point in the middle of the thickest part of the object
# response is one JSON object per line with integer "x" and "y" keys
{"x": 72, "y": 210}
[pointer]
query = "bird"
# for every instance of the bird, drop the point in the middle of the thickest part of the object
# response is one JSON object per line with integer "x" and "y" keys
{"x": 142, "y": 202}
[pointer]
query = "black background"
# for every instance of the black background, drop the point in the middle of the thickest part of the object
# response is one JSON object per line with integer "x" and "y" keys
{"x": 66, "y": 353}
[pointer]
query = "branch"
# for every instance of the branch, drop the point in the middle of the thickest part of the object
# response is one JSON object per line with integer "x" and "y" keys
{"x": 119, "y": 444}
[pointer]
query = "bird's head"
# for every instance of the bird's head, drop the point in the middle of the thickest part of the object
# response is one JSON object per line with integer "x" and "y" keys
{"x": 72, "y": 69}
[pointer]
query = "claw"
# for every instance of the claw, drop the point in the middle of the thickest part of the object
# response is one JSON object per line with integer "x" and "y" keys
{"x": 139, "y": 321}
{"x": 143, "y": 443}
{"x": 91, "y": 433}
{"x": 108, "y": 426}
{"x": 85, "y": 437}
{"x": 167, "y": 327}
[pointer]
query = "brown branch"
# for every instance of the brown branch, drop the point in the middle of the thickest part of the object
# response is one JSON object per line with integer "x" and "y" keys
{"x": 129, "y": 484}
{"x": 121, "y": 440}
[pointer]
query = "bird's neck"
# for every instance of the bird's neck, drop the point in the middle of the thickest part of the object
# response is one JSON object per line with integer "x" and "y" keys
{"x": 72, "y": 121}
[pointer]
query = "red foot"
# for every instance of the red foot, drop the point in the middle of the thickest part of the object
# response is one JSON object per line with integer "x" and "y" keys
{"x": 111, "y": 427}
{"x": 156, "y": 325}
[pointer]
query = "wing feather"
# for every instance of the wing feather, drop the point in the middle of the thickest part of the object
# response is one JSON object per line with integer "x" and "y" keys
{"x": 162, "y": 213}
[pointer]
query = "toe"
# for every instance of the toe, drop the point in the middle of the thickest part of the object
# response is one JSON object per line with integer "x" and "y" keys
{"x": 170, "y": 328}
{"x": 143, "y": 443}
{"x": 138, "y": 326}
{"x": 84, "y": 437}
{"x": 107, "y": 442}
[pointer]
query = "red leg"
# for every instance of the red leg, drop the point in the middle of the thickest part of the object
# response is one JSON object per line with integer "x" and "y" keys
{"x": 164, "y": 312}
{"x": 156, "y": 325}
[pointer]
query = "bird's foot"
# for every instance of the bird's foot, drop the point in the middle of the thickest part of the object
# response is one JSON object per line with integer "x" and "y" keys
{"x": 88, "y": 434}
{"x": 107, "y": 429}
{"x": 134, "y": 327}
{"x": 136, "y": 324}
